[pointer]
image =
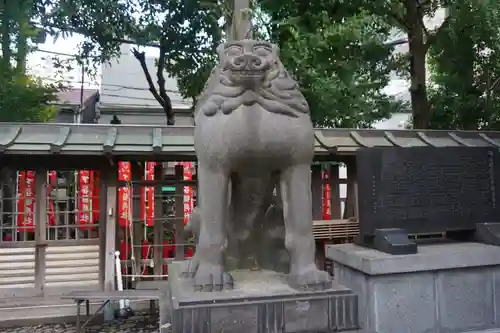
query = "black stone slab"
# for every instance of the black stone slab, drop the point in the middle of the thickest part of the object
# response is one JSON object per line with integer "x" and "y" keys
{"x": 261, "y": 302}
{"x": 427, "y": 189}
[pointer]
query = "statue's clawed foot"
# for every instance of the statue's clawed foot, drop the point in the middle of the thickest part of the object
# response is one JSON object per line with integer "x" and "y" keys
{"x": 310, "y": 278}
{"x": 210, "y": 277}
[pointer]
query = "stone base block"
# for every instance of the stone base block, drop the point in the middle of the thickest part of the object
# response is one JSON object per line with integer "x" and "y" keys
{"x": 261, "y": 302}
{"x": 445, "y": 288}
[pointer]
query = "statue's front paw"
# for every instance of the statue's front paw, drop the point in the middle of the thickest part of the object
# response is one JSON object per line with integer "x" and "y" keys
{"x": 310, "y": 278}
{"x": 210, "y": 277}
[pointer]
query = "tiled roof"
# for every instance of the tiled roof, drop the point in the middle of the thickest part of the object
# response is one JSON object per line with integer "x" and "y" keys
{"x": 345, "y": 141}
{"x": 103, "y": 139}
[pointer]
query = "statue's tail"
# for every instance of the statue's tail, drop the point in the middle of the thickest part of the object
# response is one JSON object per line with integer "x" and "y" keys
{"x": 194, "y": 222}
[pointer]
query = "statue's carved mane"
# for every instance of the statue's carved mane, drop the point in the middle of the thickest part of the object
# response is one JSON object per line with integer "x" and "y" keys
{"x": 279, "y": 93}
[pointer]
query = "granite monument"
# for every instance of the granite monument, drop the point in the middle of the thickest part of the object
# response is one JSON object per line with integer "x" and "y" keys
{"x": 426, "y": 190}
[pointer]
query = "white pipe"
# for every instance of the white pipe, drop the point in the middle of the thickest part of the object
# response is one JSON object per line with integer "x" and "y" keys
{"x": 119, "y": 282}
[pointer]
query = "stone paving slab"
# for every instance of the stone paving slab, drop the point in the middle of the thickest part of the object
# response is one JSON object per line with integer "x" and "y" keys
{"x": 135, "y": 324}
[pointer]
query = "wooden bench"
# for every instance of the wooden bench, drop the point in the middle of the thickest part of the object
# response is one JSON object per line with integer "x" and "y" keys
{"x": 106, "y": 296}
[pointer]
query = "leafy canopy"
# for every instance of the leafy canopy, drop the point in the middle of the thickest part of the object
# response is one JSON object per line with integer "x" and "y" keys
{"x": 465, "y": 69}
{"x": 185, "y": 33}
{"x": 338, "y": 56}
{"x": 22, "y": 97}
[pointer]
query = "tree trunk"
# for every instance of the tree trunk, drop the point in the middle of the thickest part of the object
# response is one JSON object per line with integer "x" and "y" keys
{"x": 6, "y": 31}
{"x": 22, "y": 37}
{"x": 169, "y": 112}
{"x": 418, "y": 89}
{"x": 417, "y": 50}
{"x": 470, "y": 95}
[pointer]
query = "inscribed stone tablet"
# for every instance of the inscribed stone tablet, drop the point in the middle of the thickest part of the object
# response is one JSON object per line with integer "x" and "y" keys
{"x": 426, "y": 189}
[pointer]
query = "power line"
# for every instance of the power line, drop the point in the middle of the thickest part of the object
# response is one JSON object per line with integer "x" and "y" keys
{"x": 129, "y": 97}
{"x": 62, "y": 53}
{"x": 119, "y": 86}
{"x": 111, "y": 105}
{"x": 58, "y": 53}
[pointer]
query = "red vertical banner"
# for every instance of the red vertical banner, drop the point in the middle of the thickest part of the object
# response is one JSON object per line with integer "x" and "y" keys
{"x": 21, "y": 194}
{"x": 150, "y": 195}
{"x": 96, "y": 192}
{"x": 188, "y": 191}
{"x": 84, "y": 202}
{"x": 147, "y": 196}
{"x": 327, "y": 194}
{"x": 143, "y": 197}
{"x": 51, "y": 182}
{"x": 26, "y": 201}
{"x": 124, "y": 174}
{"x": 90, "y": 196}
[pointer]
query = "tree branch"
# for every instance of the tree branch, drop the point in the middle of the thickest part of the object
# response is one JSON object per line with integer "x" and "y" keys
{"x": 433, "y": 37}
{"x": 141, "y": 57}
{"x": 399, "y": 20}
{"x": 495, "y": 84}
{"x": 396, "y": 17}
{"x": 421, "y": 17}
{"x": 86, "y": 33}
{"x": 167, "y": 105}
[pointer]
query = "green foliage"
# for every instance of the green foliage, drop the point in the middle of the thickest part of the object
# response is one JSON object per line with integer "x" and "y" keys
{"x": 23, "y": 98}
{"x": 337, "y": 55}
{"x": 465, "y": 67}
{"x": 411, "y": 17}
{"x": 185, "y": 33}
{"x": 335, "y": 49}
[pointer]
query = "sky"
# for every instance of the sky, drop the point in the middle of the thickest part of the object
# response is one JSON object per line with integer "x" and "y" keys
{"x": 43, "y": 68}
{"x": 39, "y": 66}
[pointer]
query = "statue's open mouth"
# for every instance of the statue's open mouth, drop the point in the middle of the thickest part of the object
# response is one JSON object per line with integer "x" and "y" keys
{"x": 250, "y": 73}
{"x": 247, "y": 76}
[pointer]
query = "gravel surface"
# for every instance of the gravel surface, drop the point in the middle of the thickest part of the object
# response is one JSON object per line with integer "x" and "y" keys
{"x": 135, "y": 324}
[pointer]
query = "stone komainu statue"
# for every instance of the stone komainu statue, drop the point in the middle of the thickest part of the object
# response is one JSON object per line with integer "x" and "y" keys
{"x": 253, "y": 134}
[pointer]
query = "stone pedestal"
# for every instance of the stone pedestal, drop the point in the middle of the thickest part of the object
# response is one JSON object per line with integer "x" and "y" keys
{"x": 261, "y": 302}
{"x": 445, "y": 288}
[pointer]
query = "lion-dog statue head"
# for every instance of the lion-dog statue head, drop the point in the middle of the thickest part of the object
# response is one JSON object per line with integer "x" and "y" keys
{"x": 250, "y": 72}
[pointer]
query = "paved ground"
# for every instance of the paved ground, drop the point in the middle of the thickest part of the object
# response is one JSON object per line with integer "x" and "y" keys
{"x": 136, "y": 324}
